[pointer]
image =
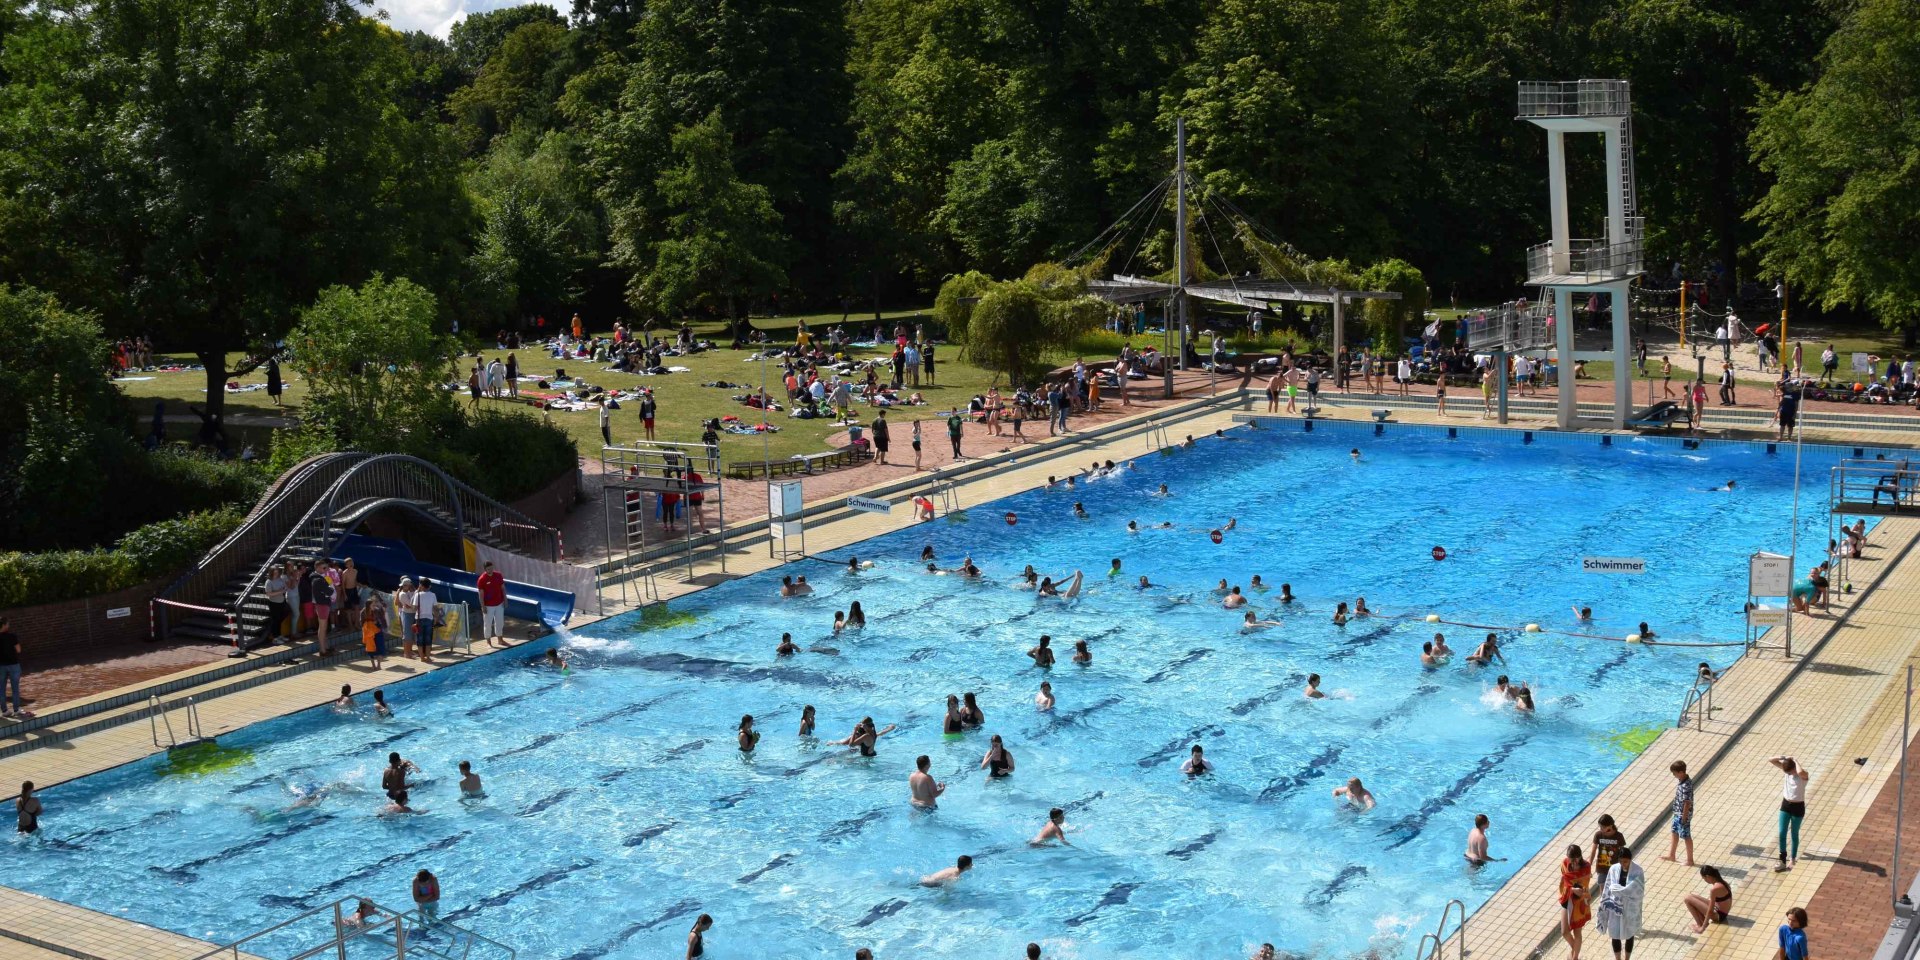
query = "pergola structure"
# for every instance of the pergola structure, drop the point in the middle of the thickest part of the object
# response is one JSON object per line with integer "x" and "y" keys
{"x": 1250, "y": 292}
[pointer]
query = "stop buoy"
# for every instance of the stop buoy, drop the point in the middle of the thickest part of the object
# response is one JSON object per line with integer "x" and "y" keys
{"x": 1011, "y": 519}
{"x": 1215, "y": 536}
{"x": 1439, "y": 553}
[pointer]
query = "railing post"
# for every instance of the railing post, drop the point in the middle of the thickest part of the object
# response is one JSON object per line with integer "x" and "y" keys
{"x": 339, "y": 933}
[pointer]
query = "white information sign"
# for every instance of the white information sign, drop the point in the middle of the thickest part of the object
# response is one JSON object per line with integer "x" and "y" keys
{"x": 1769, "y": 575}
{"x": 1766, "y": 616}
{"x": 1862, "y": 363}
{"x": 1630, "y": 565}
{"x": 118, "y": 612}
{"x": 869, "y": 505}
{"x": 784, "y": 500}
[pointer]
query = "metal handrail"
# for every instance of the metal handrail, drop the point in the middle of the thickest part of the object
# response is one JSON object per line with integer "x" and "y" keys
{"x": 1575, "y": 98}
{"x": 1696, "y": 696}
{"x": 1586, "y": 257}
{"x": 400, "y": 921}
{"x": 1438, "y": 936}
{"x": 156, "y": 717}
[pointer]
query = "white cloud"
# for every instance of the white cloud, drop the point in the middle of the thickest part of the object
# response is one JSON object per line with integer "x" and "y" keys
{"x": 438, "y": 16}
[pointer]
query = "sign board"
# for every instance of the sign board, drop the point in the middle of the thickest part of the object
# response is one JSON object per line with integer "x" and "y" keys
{"x": 784, "y": 500}
{"x": 118, "y": 612}
{"x": 869, "y": 505}
{"x": 1862, "y": 363}
{"x": 1632, "y": 565}
{"x": 1769, "y": 575}
{"x": 1766, "y": 616}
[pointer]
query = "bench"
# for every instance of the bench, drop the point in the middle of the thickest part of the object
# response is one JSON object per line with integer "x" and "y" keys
{"x": 806, "y": 463}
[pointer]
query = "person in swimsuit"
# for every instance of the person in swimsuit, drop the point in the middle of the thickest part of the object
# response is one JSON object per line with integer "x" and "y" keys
{"x": 1360, "y": 608}
{"x": 1340, "y": 614}
{"x": 970, "y": 712}
{"x": 942, "y": 878}
{"x": 1286, "y": 593}
{"x": 1253, "y": 622}
{"x": 1197, "y": 764}
{"x": 749, "y": 737}
{"x": 27, "y": 809}
{"x": 1042, "y": 655}
{"x": 1144, "y": 584}
{"x": 426, "y": 896}
{"x": 1234, "y": 599}
{"x": 394, "y": 779}
{"x": 1714, "y": 907}
{"x": 345, "y": 700}
{"x": 1486, "y": 653}
{"x": 998, "y": 762}
{"x": 856, "y": 617}
{"x": 839, "y": 622}
{"x": 1053, "y": 829}
{"x": 1357, "y": 796}
{"x": 924, "y": 791}
{"x": 952, "y": 724}
{"x": 1081, "y": 654}
{"x": 806, "y": 720}
{"x": 1476, "y": 853}
{"x": 787, "y": 647}
{"x": 1256, "y": 584}
{"x": 1313, "y": 687}
{"x": 1043, "y": 701}
{"x": 470, "y": 781}
{"x": 863, "y": 737}
{"x": 1440, "y": 394}
{"x": 1440, "y": 649}
{"x": 1427, "y": 659}
{"x": 697, "y": 937}
{"x": 380, "y": 708}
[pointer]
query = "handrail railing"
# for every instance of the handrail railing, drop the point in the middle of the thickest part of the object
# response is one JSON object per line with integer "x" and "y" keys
{"x": 1700, "y": 696}
{"x": 1575, "y": 98}
{"x": 1439, "y": 934}
{"x": 156, "y": 717}
{"x": 347, "y": 926}
{"x": 1892, "y": 483}
{"x": 1585, "y": 258}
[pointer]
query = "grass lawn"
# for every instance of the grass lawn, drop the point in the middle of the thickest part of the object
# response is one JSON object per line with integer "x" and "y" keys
{"x": 683, "y": 402}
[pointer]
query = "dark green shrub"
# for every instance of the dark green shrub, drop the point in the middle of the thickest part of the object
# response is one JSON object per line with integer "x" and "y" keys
{"x": 506, "y": 455}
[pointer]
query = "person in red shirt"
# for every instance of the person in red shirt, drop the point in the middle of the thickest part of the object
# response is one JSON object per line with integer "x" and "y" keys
{"x": 696, "y": 499}
{"x": 493, "y": 604}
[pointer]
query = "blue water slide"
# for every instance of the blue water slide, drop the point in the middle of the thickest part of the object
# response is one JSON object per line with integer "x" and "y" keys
{"x": 382, "y": 561}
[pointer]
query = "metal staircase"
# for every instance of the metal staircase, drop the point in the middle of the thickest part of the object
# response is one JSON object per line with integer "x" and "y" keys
{"x": 307, "y": 514}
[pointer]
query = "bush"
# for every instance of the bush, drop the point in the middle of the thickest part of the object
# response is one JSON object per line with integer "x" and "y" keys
{"x": 151, "y": 551}
{"x": 181, "y": 481}
{"x": 506, "y": 455}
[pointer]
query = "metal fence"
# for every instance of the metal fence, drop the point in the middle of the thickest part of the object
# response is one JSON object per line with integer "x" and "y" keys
{"x": 1574, "y": 98}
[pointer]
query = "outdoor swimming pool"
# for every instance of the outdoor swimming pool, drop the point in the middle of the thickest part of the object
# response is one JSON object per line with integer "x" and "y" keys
{"x": 619, "y": 808}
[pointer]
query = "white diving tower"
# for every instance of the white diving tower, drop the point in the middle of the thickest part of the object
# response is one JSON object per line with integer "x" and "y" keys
{"x": 1607, "y": 264}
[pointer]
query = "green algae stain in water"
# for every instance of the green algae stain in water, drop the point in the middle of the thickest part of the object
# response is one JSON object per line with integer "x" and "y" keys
{"x": 1632, "y": 743}
{"x": 658, "y": 617}
{"x": 203, "y": 758}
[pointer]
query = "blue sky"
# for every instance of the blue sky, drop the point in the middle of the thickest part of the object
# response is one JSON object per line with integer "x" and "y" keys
{"x": 438, "y": 16}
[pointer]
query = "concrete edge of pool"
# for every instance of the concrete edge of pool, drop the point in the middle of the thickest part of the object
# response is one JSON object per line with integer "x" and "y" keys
{"x": 1516, "y": 921}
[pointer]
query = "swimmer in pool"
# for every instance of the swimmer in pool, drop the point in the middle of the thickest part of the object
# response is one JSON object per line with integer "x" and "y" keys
{"x": 1042, "y": 655}
{"x": 345, "y": 700}
{"x": 856, "y": 617}
{"x": 786, "y": 584}
{"x": 926, "y": 552}
{"x": 863, "y": 737}
{"x": 1487, "y": 653}
{"x": 1187, "y": 443}
{"x": 1049, "y": 589}
{"x": 551, "y": 658}
{"x": 1222, "y": 590}
{"x": 1427, "y": 659}
{"x": 1360, "y": 608}
{"x": 924, "y": 791}
{"x": 470, "y": 781}
{"x": 1354, "y": 454}
{"x": 1251, "y": 623}
{"x": 1583, "y": 614}
{"x": 380, "y": 708}
{"x": 942, "y": 878}
{"x": 1079, "y": 511}
{"x": 1645, "y": 632}
{"x": 1357, "y": 796}
{"x": 1523, "y": 699}
{"x": 1197, "y": 764}
{"x": 1257, "y": 584}
{"x": 1163, "y": 491}
{"x": 1440, "y": 649}
{"x": 952, "y": 724}
{"x": 839, "y": 621}
{"x": 1313, "y": 687}
{"x": 787, "y": 647}
{"x": 398, "y": 805}
{"x": 393, "y": 779}
{"x": 1114, "y": 570}
{"x": 998, "y": 762}
{"x": 806, "y": 720}
{"x": 801, "y": 587}
{"x": 1340, "y": 614}
{"x": 1235, "y": 599}
{"x": 1081, "y": 655}
{"x": 1726, "y": 489}
{"x": 1043, "y": 701}
{"x": 1133, "y": 526}
{"x": 1231, "y": 523}
{"x": 967, "y": 569}
{"x": 1503, "y": 688}
{"x": 748, "y": 737}
{"x": 1144, "y": 584}
{"x": 970, "y": 712}
{"x": 1054, "y": 829}
{"x": 1286, "y": 593}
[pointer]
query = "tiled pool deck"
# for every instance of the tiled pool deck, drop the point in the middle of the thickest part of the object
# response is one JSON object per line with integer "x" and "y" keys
{"x": 1839, "y": 699}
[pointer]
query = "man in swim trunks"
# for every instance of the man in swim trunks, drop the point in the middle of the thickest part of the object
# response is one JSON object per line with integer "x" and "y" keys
{"x": 469, "y": 781}
{"x": 941, "y": 878}
{"x": 1486, "y": 653}
{"x": 1054, "y": 829}
{"x": 924, "y": 789}
{"x": 1234, "y": 599}
{"x": 1477, "y": 842}
{"x": 1197, "y": 763}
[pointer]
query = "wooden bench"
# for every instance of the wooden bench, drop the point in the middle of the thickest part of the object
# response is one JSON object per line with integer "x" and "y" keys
{"x": 807, "y": 463}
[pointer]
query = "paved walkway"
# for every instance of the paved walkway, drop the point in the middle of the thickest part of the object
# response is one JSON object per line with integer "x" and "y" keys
{"x": 1855, "y": 904}
{"x": 1835, "y": 709}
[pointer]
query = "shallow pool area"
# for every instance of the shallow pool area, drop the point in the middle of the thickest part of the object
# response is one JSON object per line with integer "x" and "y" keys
{"x": 618, "y": 806}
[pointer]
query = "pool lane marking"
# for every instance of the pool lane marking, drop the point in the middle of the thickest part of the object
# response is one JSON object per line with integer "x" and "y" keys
{"x": 516, "y": 698}
{"x": 850, "y": 827}
{"x": 1333, "y": 888}
{"x": 772, "y": 865}
{"x": 1180, "y": 743}
{"x": 647, "y": 834}
{"x": 1353, "y": 645}
{"x": 881, "y": 912}
{"x": 185, "y": 872}
{"x": 1167, "y": 671}
{"x": 280, "y": 776}
{"x": 1409, "y": 826}
{"x": 1115, "y": 897}
{"x": 1315, "y": 769}
{"x": 305, "y": 900}
{"x": 1292, "y": 685}
{"x": 505, "y": 897}
{"x": 545, "y": 802}
{"x": 1187, "y": 850}
{"x": 674, "y": 912}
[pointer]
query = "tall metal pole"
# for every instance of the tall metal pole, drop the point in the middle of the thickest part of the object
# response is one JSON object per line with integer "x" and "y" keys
{"x": 1793, "y": 540}
{"x": 1900, "y": 799}
{"x": 1180, "y": 227}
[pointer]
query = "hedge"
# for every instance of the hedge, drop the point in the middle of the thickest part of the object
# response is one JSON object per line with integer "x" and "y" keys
{"x": 29, "y": 579}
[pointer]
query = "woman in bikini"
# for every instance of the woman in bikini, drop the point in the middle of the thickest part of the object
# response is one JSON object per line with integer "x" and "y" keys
{"x": 1714, "y": 907}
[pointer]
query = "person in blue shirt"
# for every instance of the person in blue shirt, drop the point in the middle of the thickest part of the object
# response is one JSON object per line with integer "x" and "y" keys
{"x": 1793, "y": 936}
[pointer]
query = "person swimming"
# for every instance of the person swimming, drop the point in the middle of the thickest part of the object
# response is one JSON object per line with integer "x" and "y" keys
{"x": 1354, "y": 454}
{"x": 942, "y": 878}
{"x": 749, "y": 737}
{"x": 952, "y": 724}
{"x": 856, "y": 617}
{"x": 1163, "y": 491}
{"x": 1114, "y": 570}
{"x": 1486, "y": 653}
{"x": 1356, "y": 795}
{"x": 1523, "y": 699}
{"x": 1054, "y": 829}
{"x": 551, "y": 658}
{"x": 1081, "y": 654}
{"x": 926, "y": 552}
{"x": 998, "y": 762}
{"x": 864, "y": 736}
{"x": 1133, "y": 526}
{"x": 345, "y": 700}
{"x": 1253, "y": 623}
{"x": 1234, "y": 599}
{"x": 1427, "y": 659}
{"x": 1440, "y": 649}
{"x": 1313, "y": 688}
{"x": 1042, "y": 655}
{"x": 1286, "y": 593}
{"x": 1583, "y": 614}
{"x": 970, "y": 712}
{"x": 380, "y": 708}
{"x": 1197, "y": 764}
{"x": 839, "y": 621}
{"x": 806, "y": 720}
{"x": 1144, "y": 583}
{"x": 1340, "y": 614}
{"x": 1256, "y": 584}
{"x": 787, "y": 647}
{"x": 1079, "y": 511}
{"x": 470, "y": 781}
{"x": 1360, "y": 608}
{"x": 1043, "y": 701}
{"x": 1646, "y": 633}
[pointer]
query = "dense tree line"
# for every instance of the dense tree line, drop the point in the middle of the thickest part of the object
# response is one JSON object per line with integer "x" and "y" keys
{"x": 201, "y": 169}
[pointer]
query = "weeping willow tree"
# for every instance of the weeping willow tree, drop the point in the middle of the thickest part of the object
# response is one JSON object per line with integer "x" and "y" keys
{"x": 1014, "y": 327}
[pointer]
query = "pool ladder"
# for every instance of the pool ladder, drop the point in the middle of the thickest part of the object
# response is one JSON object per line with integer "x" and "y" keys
{"x": 1156, "y": 436}
{"x": 948, "y": 498}
{"x": 158, "y": 721}
{"x": 1439, "y": 935}
{"x": 1699, "y": 702}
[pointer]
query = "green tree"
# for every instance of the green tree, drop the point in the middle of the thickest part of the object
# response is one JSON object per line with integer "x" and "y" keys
{"x": 516, "y": 89}
{"x": 62, "y": 436}
{"x": 199, "y": 169}
{"x": 375, "y": 363}
{"x": 479, "y": 35}
{"x": 718, "y": 238}
{"x": 1016, "y": 326}
{"x": 543, "y": 236}
{"x": 1387, "y": 320}
{"x": 954, "y": 305}
{"x": 1840, "y": 219}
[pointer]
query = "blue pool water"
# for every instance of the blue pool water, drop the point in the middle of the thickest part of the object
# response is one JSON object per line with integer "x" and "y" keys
{"x": 619, "y": 808}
